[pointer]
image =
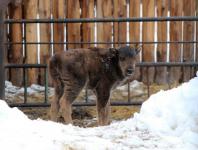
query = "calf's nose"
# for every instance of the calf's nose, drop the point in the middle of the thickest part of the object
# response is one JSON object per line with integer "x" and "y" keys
{"x": 130, "y": 71}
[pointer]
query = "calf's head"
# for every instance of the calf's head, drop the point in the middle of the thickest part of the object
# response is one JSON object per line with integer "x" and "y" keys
{"x": 127, "y": 59}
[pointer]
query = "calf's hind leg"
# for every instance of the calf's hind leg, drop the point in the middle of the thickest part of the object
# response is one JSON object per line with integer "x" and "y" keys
{"x": 58, "y": 87}
{"x": 70, "y": 94}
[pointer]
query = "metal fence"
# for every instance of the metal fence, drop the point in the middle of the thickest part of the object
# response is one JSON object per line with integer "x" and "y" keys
{"x": 147, "y": 65}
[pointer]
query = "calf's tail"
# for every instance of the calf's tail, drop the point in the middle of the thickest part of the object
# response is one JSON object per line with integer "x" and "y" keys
{"x": 53, "y": 68}
{"x": 55, "y": 76}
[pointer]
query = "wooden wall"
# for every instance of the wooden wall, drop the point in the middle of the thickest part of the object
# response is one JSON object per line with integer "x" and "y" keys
{"x": 103, "y": 32}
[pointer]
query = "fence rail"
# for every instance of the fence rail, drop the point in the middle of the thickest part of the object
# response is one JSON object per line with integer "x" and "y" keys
{"x": 103, "y": 20}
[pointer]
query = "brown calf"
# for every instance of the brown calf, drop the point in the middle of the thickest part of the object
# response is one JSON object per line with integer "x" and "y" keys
{"x": 97, "y": 68}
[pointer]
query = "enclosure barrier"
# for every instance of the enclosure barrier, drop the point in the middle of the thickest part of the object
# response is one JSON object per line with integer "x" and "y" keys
{"x": 86, "y": 103}
{"x": 146, "y": 65}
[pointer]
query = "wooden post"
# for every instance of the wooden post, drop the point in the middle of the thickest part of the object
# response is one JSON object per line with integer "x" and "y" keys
{"x": 31, "y": 8}
{"x": 58, "y": 29}
{"x": 73, "y": 29}
{"x": 88, "y": 28}
{"x": 162, "y": 11}
{"x": 119, "y": 29}
{"x": 2, "y": 70}
{"x": 148, "y": 36}
{"x": 134, "y": 29}
{"x": 188, "y": 35}
{"x": 45, "y": 36}
{"x": 104, "y": 30}
{"x": 176, "y": 7}
{"x": 16, "y": 51}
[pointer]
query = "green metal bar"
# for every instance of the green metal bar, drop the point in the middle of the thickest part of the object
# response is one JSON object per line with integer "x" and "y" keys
{"x": 46, "y": 85}
{"x": 86, "y": 95}
{"x": 2, "y": 70}
{"x": 168, "y": 77}
{"x": 25, "y": 85}
{"x": 93, "y": 20}
{"x": 129, "y": 93}
{"x": 134, "y": 103}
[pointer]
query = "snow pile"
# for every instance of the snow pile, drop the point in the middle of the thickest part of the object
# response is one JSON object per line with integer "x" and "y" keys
{"x": 168, "y": 120}
{"x": 172, "y": 113}
{"x": 20, "y": 133}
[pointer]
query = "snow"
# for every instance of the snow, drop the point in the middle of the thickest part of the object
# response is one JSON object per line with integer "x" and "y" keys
{"x": 168, "y": 120}
{"x": 17, "y": 90}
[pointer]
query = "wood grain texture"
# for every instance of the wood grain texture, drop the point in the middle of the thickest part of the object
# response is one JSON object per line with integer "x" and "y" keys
{"x": 45, "y": 36}
{"x": 88, "y": 28}
{"x": 134, "y": 29}
{"x": 176, "y": 8}
{"x": 16, "y": 51}
{"x": 31, "y": 9}
{"x": 104, "y": 30}
{"x": 73, "y": 29}
{"x": 188, "y": 35}
{"x": 58, "y": 11}
{"x": 148, "y": 35}
{"x": 119, "y": 29}
{"x": 162, "y": 11}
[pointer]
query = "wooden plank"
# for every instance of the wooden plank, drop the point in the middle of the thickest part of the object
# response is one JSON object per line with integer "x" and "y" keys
{"x": 134, "y": 29}
{"x": 162, "y": 11}
{"x": 88, "y": 28}
{"x": 16, "y": 51}
{"x": 119, "y": 29}
{"x": 104, "y": 30}
{"x": 31, "y": 8}
{"x": 176, "y": 7}
{"x": 58, "y": 11}
{"x": 73, "y": 29}
{"x": 45, "y": 36}
{"x": 188, "y": 35}
{"x": 148, "y": 35}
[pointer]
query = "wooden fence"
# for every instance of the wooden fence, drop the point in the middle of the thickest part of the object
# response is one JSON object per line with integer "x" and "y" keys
{"x": 103, "y": 32}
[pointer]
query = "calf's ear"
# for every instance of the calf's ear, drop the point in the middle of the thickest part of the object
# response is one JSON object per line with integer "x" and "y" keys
{"x": 138, "y": 48}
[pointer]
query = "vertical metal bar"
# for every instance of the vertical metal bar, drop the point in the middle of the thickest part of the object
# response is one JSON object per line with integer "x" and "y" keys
{"x": 168, "y": 77}
{"x": 24, "y": 69}
{"x": 46, "y": 85}
{"x": 86, "y": 95}
{"x": 2, "y": 69}
{"x": 25, "y": 40}
{"x": 182, "y": 73}
{"x": 191, "y": 72}
{"x": 148, "y": 82}
{"x": 129, "y": 93}
{"x": 25, "y": 84}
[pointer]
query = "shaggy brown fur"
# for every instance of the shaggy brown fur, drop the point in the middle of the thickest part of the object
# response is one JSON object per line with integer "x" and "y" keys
{"x": 99, "y": 69}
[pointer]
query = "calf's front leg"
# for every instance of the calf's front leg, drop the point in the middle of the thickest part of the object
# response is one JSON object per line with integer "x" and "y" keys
{"x": 103, "y": 106}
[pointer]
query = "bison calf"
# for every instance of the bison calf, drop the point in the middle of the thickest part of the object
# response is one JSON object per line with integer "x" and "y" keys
{"x": 97, "y": 68}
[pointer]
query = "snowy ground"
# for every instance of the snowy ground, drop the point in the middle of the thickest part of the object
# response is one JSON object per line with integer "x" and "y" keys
{"x": 167, "y": 120}
{"x": 11, "y": 92}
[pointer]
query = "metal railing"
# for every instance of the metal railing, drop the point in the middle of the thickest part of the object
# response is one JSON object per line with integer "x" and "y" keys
{"x": 146, "y": 65}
